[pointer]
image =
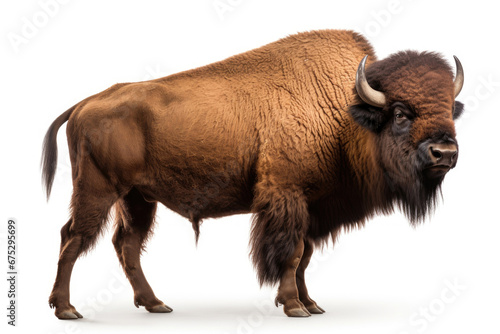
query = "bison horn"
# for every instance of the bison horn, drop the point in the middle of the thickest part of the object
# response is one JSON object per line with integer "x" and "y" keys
{"x": 459, "y": 77}
{"x": 365, "y": 92}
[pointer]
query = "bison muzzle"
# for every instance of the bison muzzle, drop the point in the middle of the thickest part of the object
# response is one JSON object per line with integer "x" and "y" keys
{"x": 310, "y": 134}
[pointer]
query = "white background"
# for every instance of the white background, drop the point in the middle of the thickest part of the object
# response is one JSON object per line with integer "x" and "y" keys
{"x": 380, "y": 279}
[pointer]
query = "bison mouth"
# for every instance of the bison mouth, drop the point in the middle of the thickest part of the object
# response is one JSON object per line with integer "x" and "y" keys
{"x": 417, "y": 192}
{"x": 436, "y": 171}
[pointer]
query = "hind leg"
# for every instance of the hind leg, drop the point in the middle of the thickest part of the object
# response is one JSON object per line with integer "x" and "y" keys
{"x": 310, "y": 304}
{"x": 134, "y": 222}
{"x": 91, "y": 202}
{"x": 59, "y": 298}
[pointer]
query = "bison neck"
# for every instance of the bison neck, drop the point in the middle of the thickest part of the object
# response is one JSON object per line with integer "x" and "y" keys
{"x": 358, "y": 186}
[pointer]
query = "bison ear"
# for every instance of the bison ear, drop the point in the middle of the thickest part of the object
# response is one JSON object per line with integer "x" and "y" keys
{"x": 368, "y": 116}
{"x": 458, "y": 110}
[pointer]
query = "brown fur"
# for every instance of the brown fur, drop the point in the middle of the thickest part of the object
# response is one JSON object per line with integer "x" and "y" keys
{"x": 277, "y": 131}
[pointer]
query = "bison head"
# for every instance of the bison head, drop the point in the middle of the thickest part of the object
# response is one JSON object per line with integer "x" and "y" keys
{"x": 408, "y": 101}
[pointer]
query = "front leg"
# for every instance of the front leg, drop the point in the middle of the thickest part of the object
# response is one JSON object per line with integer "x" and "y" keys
{"x": 288, "y": 293}
{"x": 310, "y": 304}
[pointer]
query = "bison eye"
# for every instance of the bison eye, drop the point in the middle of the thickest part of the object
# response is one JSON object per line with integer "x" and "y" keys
{"x": 403, "y": 117}
{"x": 400, "y": 116}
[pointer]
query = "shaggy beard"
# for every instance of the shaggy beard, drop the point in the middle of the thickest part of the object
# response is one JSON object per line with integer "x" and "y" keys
{"x": 416, "y": 196}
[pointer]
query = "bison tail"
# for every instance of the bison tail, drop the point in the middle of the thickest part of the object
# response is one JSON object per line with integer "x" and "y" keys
{"x": 280, "y": 220}
{"x": 48, "y": 162}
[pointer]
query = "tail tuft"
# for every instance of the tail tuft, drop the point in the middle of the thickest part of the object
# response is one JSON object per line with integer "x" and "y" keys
{"x": 195, "y": 222}
{"x": 48, "y": 162}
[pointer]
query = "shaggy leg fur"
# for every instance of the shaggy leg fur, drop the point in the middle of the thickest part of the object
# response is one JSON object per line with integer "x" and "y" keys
{"x": 310, "y": 304}
{"x": 279, "y": 223}
{"x": 288, "y": 294}
{"x": 135, "y": 218}
{"x": 91, "y": 202}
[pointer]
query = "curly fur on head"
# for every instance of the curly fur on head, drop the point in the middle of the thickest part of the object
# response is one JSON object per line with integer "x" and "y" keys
{"x": 423, "y": 83}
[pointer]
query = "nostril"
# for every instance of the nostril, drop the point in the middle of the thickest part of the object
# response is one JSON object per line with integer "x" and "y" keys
{"x": 436, "y": 154}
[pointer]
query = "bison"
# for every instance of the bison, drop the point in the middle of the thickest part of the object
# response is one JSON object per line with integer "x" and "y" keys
{"x": 310, "y": 134}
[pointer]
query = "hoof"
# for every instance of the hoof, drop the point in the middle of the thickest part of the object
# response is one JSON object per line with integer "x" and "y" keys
{"x": 294, "y": 308}
{"x": 68, "y": 315}
{"x": 315, "y": 309}
{"x": 78, "y": 314}
{"x": 162, "y": 308}
{"x": 297, "y": 313}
